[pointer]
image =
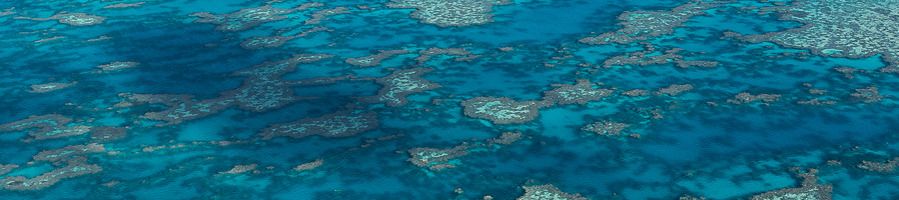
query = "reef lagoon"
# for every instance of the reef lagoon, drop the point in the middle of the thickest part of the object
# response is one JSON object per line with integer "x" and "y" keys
{"x": 449, "y": 99}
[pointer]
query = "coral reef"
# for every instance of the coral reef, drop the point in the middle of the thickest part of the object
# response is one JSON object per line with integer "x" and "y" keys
{"x": 180, "y": 107}
{"x": 462, "y": 54}
{"x": 105, "y": 134}
{"x": 547, "y": 192}
{"x": 635, "y": 92}
{"x": 506, "y": 138}
{"x": 689, "y": 197}
{"x": 375, "y": 59}
{"x": 50, "y": 87}
{"x": 644, "y": 25}
{"x": 263, "y": 90}
{"x": 809, "y": 190}
{"x": 399, "y": 84}
{"x": 580, "y": 93}
{"x": 125, "y": 5}
{"x": 7, "y": 168}
{"x": 816, "y": 102}
{"x": 240, "y": 169}
{"x": 339, "y": 124}
{"x": 745, "y": 97}
{"x": 840, "y": 28}
{"x": 874, "y": 166}
{"x": 674, "y": 89}
{"x": 74, "y": 19}
{"x": 320, "y": 15}
{"x": 436, "y": 159}
{"x": 262, "y": 42}
{"x": 69, "y": 161}
{"x": 309, "y": 165}
{"x": 650, "y": 57}
{"x": 8, "y": 11}
{"x": 46, "y": 127}
{"x": 21, "y": 183}
{"x": 868, "y": 95}
{"x": 501, "y": 110}
{"x": 68, "y": 153}
{"x": 249, "y": 17}
{"x": 116, "y": 66}
{"x": 606, "y": 128}
{"x": 848, "y": 72}
{"x": 447, "y": 13}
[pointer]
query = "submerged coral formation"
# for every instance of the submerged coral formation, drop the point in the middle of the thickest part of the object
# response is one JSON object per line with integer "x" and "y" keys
{"x": 320, "y": 15}
{"x": 50, "y": 87}
{"x": 650, "y": 57}
{"x": 50, "y": 178}
{"x": 675, "y": 89}
{"x": 868, "y": 95}
{"x": 501, "y": 110}
{"x": 69, "y": 162}
{"x": 7, "y": 168}
{"x": 125, "y": 5}
{"x": 636, "y": 92}
{"x": 810, "y": 189}
{"x": 240, "y": 169}
{"x": 78, "y": 19}
{"x": 746, "y": 97}
{"x": 888, "y": 166}
{"x": 263, "y": 90}
{"x": 46, "y": 127}
{"x": 399, "y": 84}
{"x": 340, "y": 124}
{"x": 309, "y": 165}
{"x": 606, "y": 128}
{"x": 841, "y": 28}
{"x": 374, "y": 59}
{"x": 262, "y": 42}
{"x": 68, "y": 153}
{"x": 116, "y": 66}
{"x": 547, "y": 192}
{"x": 249, "y": 17}
{"x": 74, "y": 19}
{"x": 181, "y": 107}
{"x": 506, "y": 138}
{"x": 448, "y": 13}
{"x": 462, "y": 54}
{"x": 644, "y": 25}
{"x": 580, "y": 93}
{"x": 105, "y": 134}
{"x": 436, "y": 159}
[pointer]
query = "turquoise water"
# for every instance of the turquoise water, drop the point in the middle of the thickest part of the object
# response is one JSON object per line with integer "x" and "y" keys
{"x": 449, "y": 99}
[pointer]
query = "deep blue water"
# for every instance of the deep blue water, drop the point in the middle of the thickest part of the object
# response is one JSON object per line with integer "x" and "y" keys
{"x": 449, "y": 99}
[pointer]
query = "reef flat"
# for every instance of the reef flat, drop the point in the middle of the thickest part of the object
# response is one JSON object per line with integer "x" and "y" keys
{"x": 449, "y": 99}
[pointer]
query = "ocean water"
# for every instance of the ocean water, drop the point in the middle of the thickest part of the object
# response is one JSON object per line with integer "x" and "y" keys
{"x": 449, "y": 99}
